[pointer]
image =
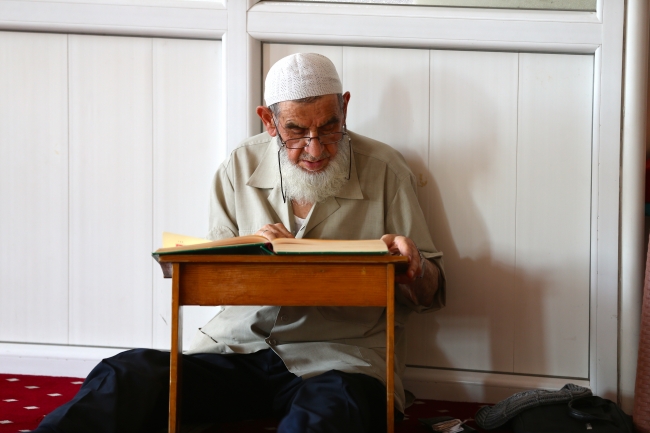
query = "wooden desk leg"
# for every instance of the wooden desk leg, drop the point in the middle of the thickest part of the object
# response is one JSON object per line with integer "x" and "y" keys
{"x": 175, "y": 364}
{"x": 390, "y": 348}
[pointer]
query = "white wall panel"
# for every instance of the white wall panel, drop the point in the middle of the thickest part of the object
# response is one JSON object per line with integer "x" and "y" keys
{"x": 33, "y": 188}
{"x": 110, "y": 191}
{"x": 390, "y": 102}
{"x": 188, "y": 147}
{"x": 471, "y": 211}
{"x": 553, "y": 214}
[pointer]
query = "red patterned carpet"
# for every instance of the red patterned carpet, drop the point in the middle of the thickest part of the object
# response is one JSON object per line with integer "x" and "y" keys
{"x": 25, "y": 400}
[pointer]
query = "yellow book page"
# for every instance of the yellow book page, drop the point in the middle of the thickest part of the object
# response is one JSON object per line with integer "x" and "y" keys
{"x": 290, "y": 245}
{"x": 175, "y": 240}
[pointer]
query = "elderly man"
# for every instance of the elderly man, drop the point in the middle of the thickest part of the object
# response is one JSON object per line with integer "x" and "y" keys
{"x": 317, "y": 369}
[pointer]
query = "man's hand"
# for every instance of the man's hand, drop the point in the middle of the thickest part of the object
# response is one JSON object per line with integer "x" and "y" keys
{"x": 403, "y": 246}
{"x": 420, "y": 291}
{"x": 274, "y": 231}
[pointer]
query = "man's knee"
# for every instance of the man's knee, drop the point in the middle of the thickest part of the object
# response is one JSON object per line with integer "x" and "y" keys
{"x": 360, "y": 385}
{"x": 138, "y": 357}
{"x": 134, "y": 363}
{"x": 336, "y": 401}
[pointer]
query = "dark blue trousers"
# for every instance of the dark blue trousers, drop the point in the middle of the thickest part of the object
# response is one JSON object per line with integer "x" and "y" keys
{"x": 130, "y": 393}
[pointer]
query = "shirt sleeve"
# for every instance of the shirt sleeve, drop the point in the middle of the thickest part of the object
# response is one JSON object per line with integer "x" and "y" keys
{"x": 223, "y": 217}
{"x": 405, "y": 217}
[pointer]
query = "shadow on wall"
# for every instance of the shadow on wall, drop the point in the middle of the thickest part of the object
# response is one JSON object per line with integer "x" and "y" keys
{"x": 499, "y": 312}
{"x": 467, "y": 191}
{"x": 485, "y": 307}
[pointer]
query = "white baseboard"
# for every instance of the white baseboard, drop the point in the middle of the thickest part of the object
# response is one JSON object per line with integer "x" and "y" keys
{"x": 51, "y": 360}
{"x": 453, "y": 385}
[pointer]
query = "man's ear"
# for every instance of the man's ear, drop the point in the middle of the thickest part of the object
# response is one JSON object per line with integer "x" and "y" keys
{"x": 266, "y": 115}
{"x": 346, "y": 99}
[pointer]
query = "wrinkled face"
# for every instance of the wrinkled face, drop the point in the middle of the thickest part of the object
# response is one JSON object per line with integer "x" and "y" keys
{"x": 312, "y": 119}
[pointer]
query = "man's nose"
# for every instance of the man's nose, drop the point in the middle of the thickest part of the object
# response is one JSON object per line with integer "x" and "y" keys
{"x": 315, "y": 148}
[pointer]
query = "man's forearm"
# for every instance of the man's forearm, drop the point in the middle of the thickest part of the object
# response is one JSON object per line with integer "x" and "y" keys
{"x": 423, "y": 290}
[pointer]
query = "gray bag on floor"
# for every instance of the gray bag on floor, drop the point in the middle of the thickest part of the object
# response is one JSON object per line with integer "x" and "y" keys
{"x": 491, "y": 417}
{"x": 589, "y": 415}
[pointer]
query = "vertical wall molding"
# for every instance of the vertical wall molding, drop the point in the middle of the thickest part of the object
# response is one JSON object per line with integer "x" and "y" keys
{"x": 607, "y": 146}
{"x": 242, "y": 75}
{"x": 633, "y": 242}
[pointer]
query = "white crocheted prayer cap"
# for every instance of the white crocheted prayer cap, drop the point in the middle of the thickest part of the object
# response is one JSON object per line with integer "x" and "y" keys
{"x": 300, "y": 76}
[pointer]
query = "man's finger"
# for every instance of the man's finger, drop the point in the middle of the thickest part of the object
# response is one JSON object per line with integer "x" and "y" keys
{"x": 282, "y": 231}
{"x": 274, "y": 231}
{"x": 414, "y": 266}
{"x": 408, "y": 248}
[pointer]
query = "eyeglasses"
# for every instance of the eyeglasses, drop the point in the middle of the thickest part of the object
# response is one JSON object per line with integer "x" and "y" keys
{"x": 302, "y": 142}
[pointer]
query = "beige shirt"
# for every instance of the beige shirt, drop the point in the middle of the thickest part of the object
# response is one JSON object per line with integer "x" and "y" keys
{"x": 379, "y": 198}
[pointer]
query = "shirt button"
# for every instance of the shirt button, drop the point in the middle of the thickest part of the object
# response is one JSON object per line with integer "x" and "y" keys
{"x": 283, "y": 318}
{"x": 272, "y": 342}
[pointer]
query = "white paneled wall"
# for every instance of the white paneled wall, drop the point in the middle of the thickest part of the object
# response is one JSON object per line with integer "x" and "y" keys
{"x": 105, "y": 142}
{"x": 553, "y": 213}
{"x": 33, "y": 185}
{"x": 501, "y": 146}
{"x": 110, "y": 190}
{"x": 187, "y": 132}
{"x": 471, "y": 209}
{"x": 108, "y": 141}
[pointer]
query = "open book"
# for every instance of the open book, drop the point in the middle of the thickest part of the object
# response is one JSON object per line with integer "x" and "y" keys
{"x": 180, "y": 244}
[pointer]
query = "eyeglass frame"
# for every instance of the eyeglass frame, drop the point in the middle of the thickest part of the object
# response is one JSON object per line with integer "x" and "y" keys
{"x": 283, "y": 142}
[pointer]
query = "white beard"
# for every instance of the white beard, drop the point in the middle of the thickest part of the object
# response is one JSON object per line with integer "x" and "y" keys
{"x": 305, "y": 187}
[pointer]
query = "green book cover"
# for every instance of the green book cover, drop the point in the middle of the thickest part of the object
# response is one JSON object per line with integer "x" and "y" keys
{"x": 244, "y": 249}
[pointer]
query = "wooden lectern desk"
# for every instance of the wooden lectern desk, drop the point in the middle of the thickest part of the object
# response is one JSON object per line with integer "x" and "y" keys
{"x": 289, "y": 280}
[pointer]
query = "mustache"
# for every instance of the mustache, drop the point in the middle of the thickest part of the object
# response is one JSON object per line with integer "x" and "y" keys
{"x": 309, "y": 158}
